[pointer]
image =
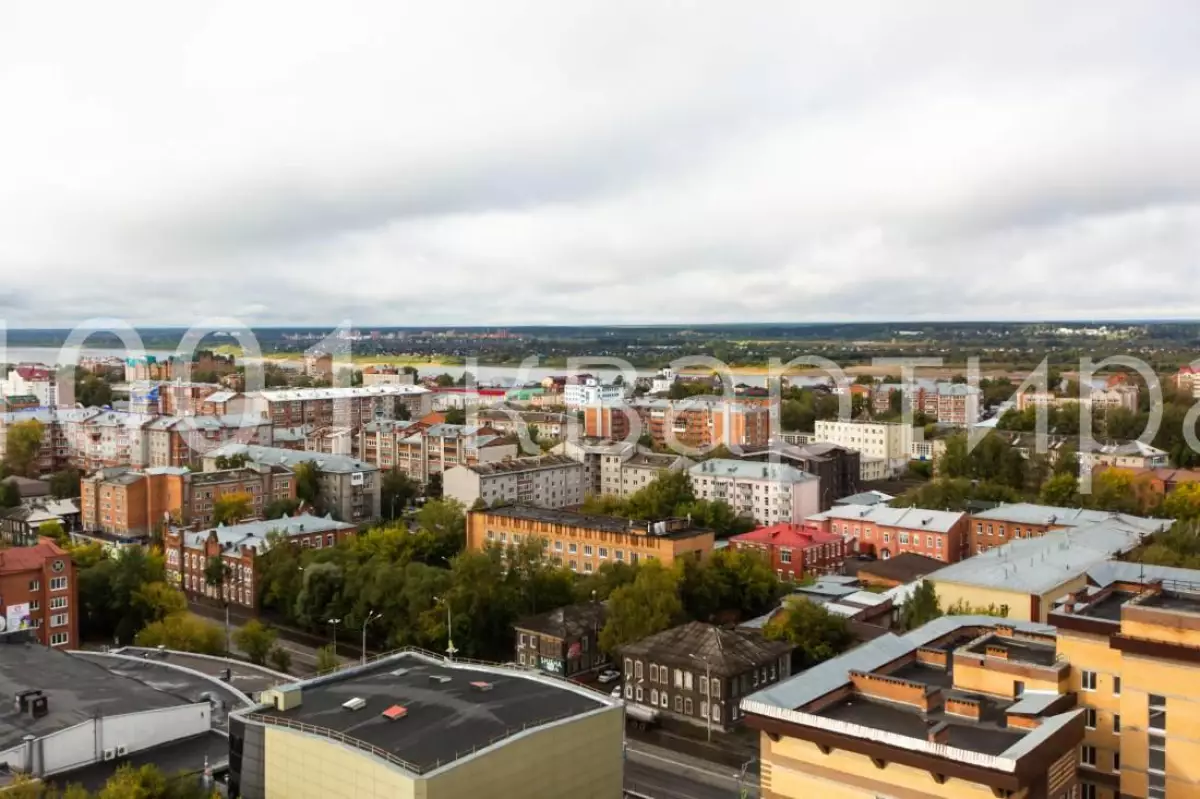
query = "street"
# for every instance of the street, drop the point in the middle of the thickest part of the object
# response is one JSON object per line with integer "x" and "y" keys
{"x": 657, "y": 773}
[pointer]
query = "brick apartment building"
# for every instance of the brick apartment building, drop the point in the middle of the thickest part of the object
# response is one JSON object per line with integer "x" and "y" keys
{"x": 998, "y": 526}
{"x": 189, "y": 552}
{"x": 420, "y": 448}
{"x": 618, "y": 468}
{"x": 795, "y": 551}
{"x": 584, "y": 543}
{"x": 126, "y": 502}
{"x": 339, "y": 407}
{"x": 151, "y": 367}
{"x": 38, "y": 592}
{"x": 548, "y": 481}
{"x": 836, "y": 468}
{"x": 886, "y": 532}
{"x": 386, "y": 376}
{"x": 183, "y": 441}
{"x": 699, "y": 422}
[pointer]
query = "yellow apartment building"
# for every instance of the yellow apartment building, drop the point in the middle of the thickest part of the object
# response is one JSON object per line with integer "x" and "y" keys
{"x": 583, "y": 543}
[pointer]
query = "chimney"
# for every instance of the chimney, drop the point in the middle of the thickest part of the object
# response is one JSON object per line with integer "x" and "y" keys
{"x": 938, "y": 732}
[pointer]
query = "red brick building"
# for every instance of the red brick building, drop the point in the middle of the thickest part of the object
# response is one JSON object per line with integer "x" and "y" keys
{"x": 886, "y": 532}
{"x": 189, "y": 553}
{"x": 38, "y": 589}
{"x": 795, "y": 550}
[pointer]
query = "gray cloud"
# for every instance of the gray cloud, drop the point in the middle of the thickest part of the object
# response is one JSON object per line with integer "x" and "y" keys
{"x": 599, "y": 162}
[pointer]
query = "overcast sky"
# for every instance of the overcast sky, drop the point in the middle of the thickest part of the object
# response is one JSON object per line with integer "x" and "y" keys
{"x": 575, "y": 162}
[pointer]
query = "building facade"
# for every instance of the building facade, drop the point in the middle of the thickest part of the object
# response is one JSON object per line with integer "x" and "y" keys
{"x": 889, "y": 440}
{"x": 885, "y": 532}
{"x": 339, "y": 407}
{"x": 420, "y": 449}
{"x": 587, "y": 390}
{"x": 39, "y": 594}
{"x": 583, "y": 543}
{"x": 564, "y": 641}
{"x": 795, "y": 551}
{"x": 1005, "y": 523}
{"x": 548, "y": 481}
{"x": 769, "y": 493}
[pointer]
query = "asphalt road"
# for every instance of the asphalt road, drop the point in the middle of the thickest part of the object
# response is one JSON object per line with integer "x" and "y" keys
{"x": 655, "y": 773}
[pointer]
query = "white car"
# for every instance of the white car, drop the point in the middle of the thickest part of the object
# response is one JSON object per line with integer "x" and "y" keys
{"x": 608, "y": 675}
{"x": 616, "y": 693}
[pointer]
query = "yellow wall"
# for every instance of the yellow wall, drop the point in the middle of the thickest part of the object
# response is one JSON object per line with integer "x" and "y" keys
{"x": 1019, "y": 602}
{"x": 582, "y": 758}
{"x": 300, "y": 766}
{"x": 969, "y": 677}
{"x": 796, "y": 769}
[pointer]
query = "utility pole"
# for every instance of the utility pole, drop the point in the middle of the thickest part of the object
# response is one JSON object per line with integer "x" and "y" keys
{"x": 370, "y": 617}
{"x": 450, "y": 650}
{"x": 707, "y": 694}
{"x": 335, "y": 623}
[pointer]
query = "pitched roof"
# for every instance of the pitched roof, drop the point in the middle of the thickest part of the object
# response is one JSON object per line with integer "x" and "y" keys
{"x": 20, "y": 559}
{"x": 254, "y": 534}
{"x": 904, "y": 568}
{"x": 938, "y": 521}
{"x": 1030, "y": 513}
{"x": 750, "y": 470}
{"x": 726, "y": 652}
{"x": 569, "y": 621}
{"x": 787, "y": 535}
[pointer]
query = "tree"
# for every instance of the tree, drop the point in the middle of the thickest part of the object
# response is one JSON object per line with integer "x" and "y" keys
{"x": 817, "y": 633}
{"x": 456, "y": 416}
{"x": 10, "y": 495}
{"x": 159, "y": 600}
{"x": 1061, "y": 490}
{"x": 185, "y": 632}
{"x": 279, "y": 508}
{"x": 1183, "y": 502}
{"x": 232, "y": 508}
{"x": 256, "y": 640}
{"x": 648, "y": 605}
{"x": 280, "y": 659}
{"x": 396, "y": 490}
{"x": 109, "y": 591}
{"x": 327, "y": 660}
{"x": 91, "y": 391}
{"x": 216, "y": 572}
{"x": 53, "y": 530}
{"x": 921, "y": 607}
{"x": 730, "y": 582}
{"x": 433, "y": 488}
{"x": 23, "y": 445}
{"x": 65, "y": 484}
{"x": 444, "y": 380}
{"x": 1120, "y": 492}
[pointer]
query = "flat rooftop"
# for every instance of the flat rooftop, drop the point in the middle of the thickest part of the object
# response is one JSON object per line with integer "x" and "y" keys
{"x": 986, "y": 737}
{"x": 188, "y": 756}
{"x": 444, "y": 720}
{"x": 1018, "y": 649}
{"x": 77, "y": 689}
{"x": 677, "y": 528}
{"x": 246, "y": 677}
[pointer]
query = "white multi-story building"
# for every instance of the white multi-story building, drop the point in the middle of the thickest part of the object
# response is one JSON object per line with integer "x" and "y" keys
{"x": 891, "y": 441}
{"x": 32, "y": 380}
{"x": 662, "y": 381}
{"x": 770, "y": 493}
{"x": 590, "y": 391}
{"x": 548, "y": 481}
{"x": 619, "y": 468}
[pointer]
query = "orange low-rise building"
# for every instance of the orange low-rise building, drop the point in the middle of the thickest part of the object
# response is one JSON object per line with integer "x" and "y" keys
{"x": 1004, "y": 523}
{"x": 583, "y": 543}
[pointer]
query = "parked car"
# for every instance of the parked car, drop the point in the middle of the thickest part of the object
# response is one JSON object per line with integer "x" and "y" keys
{"x": 616, "y": 692}
{"x": 608, "y": 675}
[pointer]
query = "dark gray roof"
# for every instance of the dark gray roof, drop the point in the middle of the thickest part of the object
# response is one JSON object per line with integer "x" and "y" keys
{"x": 187, "y": 756}
{"x": 609, "y": 524}
{"x": 904, "y": 568}
{"x": 445, "y": 720}
{"x": 570, "y": 621}
{"x": 728, "y": 652}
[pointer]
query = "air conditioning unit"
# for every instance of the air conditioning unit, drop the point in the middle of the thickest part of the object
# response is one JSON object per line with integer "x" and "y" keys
{"x": 122, "y": 750}
{"x": 110, "y": 754}
{"x": 357, "y": 703}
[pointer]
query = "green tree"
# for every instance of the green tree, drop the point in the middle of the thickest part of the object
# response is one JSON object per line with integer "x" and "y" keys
{"x": 921, "y": 607}
{"x": 433, "y": 487}
{"x": 1183, "y": 502}
{"x": 446, "y": 521}
{"x": 53, "y": 530}
{"x": 817, "y": 633}
{"x": 648, "y": 605}
{"x": 185, "y": 632}
{"x": 279, "y": 508}
{"x": 456, "y": 416}
{"x": 444, "y": 380}
{"x": 730, "y": 582}
{"x": 397, "y": 490}
{"x": 308, "y": 484}
{"x": 23, "y": 445}
{"x": 280, "y": 659}
{"x": 10, "y": 495}
{"x": 216, "y": 572}
{"x": 91, "y": 391}
{"x": 1060, "y": 490}
{"x": 327, "y": 660}
{"x": 157, "y": 600}
{"x": 256, "y": 640}
{"x": 232, "y": 508}
{"x": 65, "y": 484}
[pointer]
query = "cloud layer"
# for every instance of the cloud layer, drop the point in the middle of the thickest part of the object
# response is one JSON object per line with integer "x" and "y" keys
{"x": 598, "y": 162}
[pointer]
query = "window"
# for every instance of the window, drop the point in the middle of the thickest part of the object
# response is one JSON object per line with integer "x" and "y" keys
{"x": 1087, "y": 791}
{"x": 58, "y": 583}
{"x": 687, "y": 681}
{"x": 654, "y": 696}
{"x": 628, "y": 691}
{"x": 1116, "y": 686}
{"x": 704, "y": 686}
{"x": 1158, "y": 756}
{"x": 886, "y": 537}
{"x": 521, "y": 658}
{"x": 1158, "y": 712}
{"x": 619, "y": 554}
{"x": 35, "y": 585}
{"x": 587, "y": 550}
{"x": 904, "y": 538}
{"x": 1089, "y": 718}
{"x": 603, "y": 553}
{"x": 664, "y": 674}
{"x": 929, "y": 541}
{"x": 678, "y": 703}
{"x": 785, "y": 556}
{"x": 573, "y": 548}
{"x": 58, "y": 620}
{"x": 587, "y": 567}
{"x": 329, "y": 540}
{"x": 703, "y": 709}
{"x": 715, "y": 685}
{"x": 523, "y": 639}
{"x": 1088, "y": 680}
{"x": 34, "y": 606}
{"x": 558, "y": 546}
{"x": 638, "y": 670}
{"x": 653, "y": 673}
{"x": 1116, "y": 761}
{"x": 58, "y": 639}
{"x": 678, "y": 678}
{"x": 1087, "y": 755}
{"x": 1116, "y": 723}
{"x": 639, "y": 693}
{"x": 662, "y": 699}
{"x": 687, "y": 706}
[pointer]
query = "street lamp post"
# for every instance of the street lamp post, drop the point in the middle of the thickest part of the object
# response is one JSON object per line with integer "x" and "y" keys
{"x": 370, "y": 617}
{"x": 450, "y": 650}
{"x": 707, "y": 693}
{"x": 335, "y": 623}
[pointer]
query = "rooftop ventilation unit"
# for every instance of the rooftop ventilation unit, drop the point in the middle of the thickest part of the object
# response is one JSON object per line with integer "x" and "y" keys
{"x": 400, "y": 672}
{"x": 440, "y": 679}
{"x": 395, "y": 712}
{"x": 110, "y": 754}
{"x": 481, "y": 686}
{"x": 357, "y": 703}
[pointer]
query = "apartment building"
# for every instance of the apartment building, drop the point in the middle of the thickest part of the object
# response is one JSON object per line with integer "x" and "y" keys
{"x": 548, "y": 481}
{"x": 886, "y": 532}
{"x": 958, "y": 404}
{"x": 422, "y": 726}
{"x": 891, "y": 441}
{"x": 697, "y": 672}
{"x": 180, "y": 398}
{"x": 32, "y": 380}
{"x": 189, "y": 552}
{"x": 318, "y": 365}
{"x": 565, "y": 641}
{"x": 339, "y": 407}
{"x": 619, "y": 468}
{"x": 1004, "y": 523}
{"x": 769, "y": 493}
{"x": 350, "y": 487}
{"x": 224, "y": 403}
{"x": 965, "y": 706}
{"x": 698, "y": 422}
{"x": 550, "y": 426}
{"x": 1187, "y": 380}
{"x": 127, "y": 502}
{"x": 423, "y": 448}
{"x": 1101, "y": 399}
{"x": 184, "y": 440}
{"x": 587, "y": 390}
{"x": 584, "y": 543}
{"x": 39, "y": 594}
{"x": 386, "y": 376}
{"x": 795, "y": 551}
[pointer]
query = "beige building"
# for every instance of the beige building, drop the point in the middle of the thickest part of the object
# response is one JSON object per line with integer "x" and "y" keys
{"x": 413, "y": 726}
{"x": 1122, "y": 395}
{"x": 421, "y": 449}
{"x": 339, "y": 407}
{"x": 619, "y": 468}
{"x": 891, "y": 441}
{"x": 769, "y": 493}
{"x": 548, "y": 481}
